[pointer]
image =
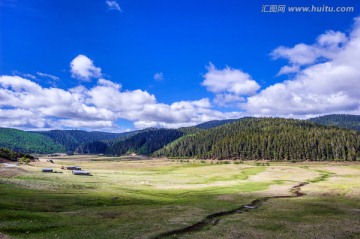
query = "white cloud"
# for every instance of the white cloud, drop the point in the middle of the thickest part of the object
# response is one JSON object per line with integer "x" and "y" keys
{"x": 48, "y": 76}
{"x": 228, "y": 100}
{"x": 82, "y": 68}
{"x": 326, "y": 47}
{"x": 320, "y": 88}
{"x": 159, "y": 76}
{"x": 229, "y": 80}
{"x": 25, "y": 75}
{"x": 185, "y": 117}
{"x": 88, "y": 124}
{"x": 27, "y": 105}
{"x": 113, "y": 5}
{"x": 331, "y": 38}
{"x": 289, "y": 69}
{"x": 300, "y": 54}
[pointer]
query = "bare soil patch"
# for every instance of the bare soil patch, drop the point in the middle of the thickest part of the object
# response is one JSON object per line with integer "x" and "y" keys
{"x": 12, "y": 172}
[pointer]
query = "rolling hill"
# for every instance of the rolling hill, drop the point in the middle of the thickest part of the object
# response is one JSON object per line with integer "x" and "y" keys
{"x": 146, "y": 142}
{"x": 72, "y": 139}
{"x": 27, "y": 142}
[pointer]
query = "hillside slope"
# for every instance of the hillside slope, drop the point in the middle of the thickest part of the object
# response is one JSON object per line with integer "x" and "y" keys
{"x": 342, "y": 121}
{"x": 268, "y": 138}
{"x": 71, "y": 139}
{"x": 27, "y": 142}
{"x": 146, "y": 142}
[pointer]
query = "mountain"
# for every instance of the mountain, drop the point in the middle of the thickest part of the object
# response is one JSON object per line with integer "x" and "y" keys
{"x": 244, "y": 138}
{"x": 268, "y": 138}
{"x": 149, "y": 140}
{"x": 27, "y": 142}
{"x": 71, "y": 139}
{"x": 146, "y": 142}
{"x": 339, "y": 120}
{"x": 96, "y": 147}
{"x": 106, "y": 146}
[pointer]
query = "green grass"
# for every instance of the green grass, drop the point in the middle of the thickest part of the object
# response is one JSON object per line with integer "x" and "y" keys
{"x": 324, "y": 175}
{"x": 139, "y": 199}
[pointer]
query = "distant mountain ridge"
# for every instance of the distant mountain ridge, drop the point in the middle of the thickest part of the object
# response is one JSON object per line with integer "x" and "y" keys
{"x": 215, "y": 123}
{"x": 339, "y": 120}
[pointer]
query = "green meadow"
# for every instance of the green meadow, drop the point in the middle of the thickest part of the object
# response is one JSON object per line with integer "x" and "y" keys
{"x": 145, "y": 198}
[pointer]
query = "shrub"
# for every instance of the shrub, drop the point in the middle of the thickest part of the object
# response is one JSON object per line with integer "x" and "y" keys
{"x": 24, "y": 160}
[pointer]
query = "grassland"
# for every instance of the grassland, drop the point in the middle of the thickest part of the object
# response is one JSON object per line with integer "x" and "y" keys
{"x": 143, "y": 198}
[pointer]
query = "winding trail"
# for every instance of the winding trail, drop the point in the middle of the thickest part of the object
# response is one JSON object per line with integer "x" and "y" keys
{"x": 213, "y": 219}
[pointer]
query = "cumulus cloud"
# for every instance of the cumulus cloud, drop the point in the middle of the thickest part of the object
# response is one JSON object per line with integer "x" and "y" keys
{"x": 300, "y": 54}
{"x": 229, "y": 85}
{"x": 323, "y": 87}
{"x": 229, "y": 80}
{"x": 326, "y": 47}
{"x": 82, "y": 68}
{"x": 159, "y": 76}
{"x": 25, "y": 104}
{"x": 184, "y": 117}
{"x": 113, "y": 5}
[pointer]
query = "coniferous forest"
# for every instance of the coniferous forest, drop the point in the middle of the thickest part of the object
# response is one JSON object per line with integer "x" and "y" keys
{"x": 270, "y": 139}
{"x": 339, "y": 120}
{"x": 27, "y": 142}
{"x": 146, "y": 142}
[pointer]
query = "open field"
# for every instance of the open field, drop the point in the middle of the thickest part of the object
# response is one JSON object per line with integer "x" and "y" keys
{"x": 146, "y": 198}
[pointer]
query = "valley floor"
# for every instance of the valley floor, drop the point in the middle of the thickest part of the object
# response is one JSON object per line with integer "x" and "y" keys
{"x": 162, "y": 198}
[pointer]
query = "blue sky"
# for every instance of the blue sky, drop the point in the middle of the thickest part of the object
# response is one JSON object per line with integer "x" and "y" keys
{"x": 128, "y": 64}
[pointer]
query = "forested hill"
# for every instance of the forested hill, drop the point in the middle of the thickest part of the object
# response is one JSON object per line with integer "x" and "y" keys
{"x": 149, "y": 140}
{"x": 342, "y": 121}
{"x": 71, "y": 139}
{"x": 146, "y": 142}
{"x": 268, "y": 138}
{"x": 26, "y": 142}
{"x": 108, "y": 146}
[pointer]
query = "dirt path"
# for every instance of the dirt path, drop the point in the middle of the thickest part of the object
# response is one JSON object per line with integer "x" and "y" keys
{"x": 213, "y": 219}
